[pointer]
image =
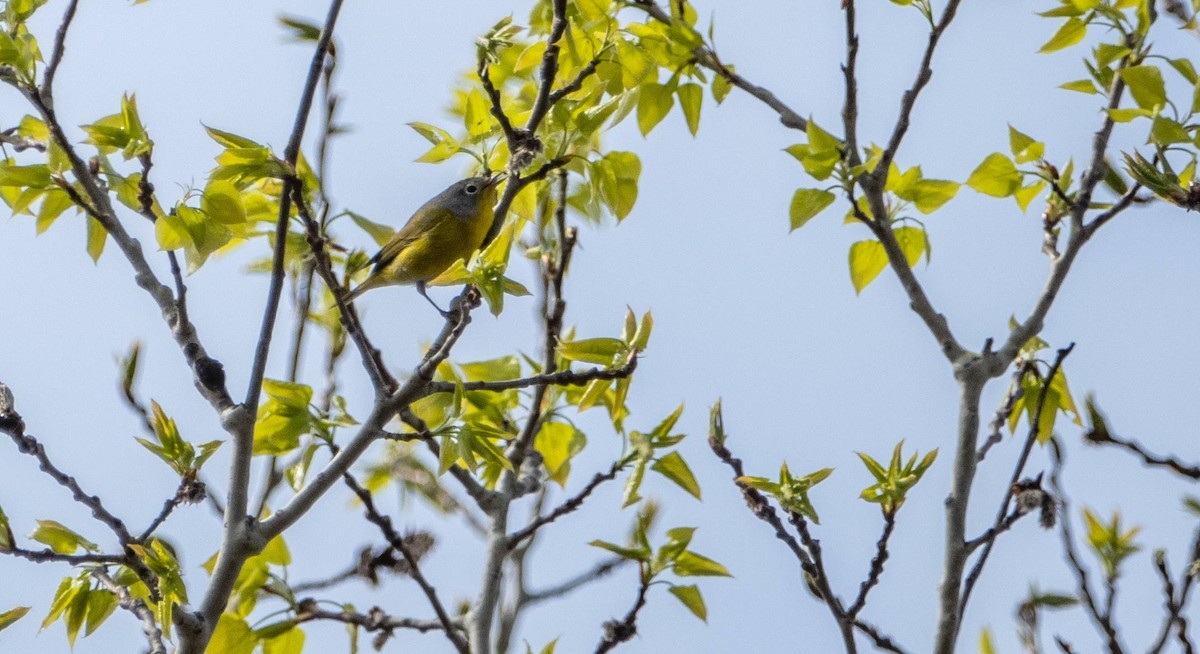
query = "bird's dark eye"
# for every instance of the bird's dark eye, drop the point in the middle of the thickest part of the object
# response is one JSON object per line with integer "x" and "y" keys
{"x": 472, "y": 189}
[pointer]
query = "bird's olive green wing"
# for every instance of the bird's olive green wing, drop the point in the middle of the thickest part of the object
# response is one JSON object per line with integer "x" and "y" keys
{"x": 413, "y": 230}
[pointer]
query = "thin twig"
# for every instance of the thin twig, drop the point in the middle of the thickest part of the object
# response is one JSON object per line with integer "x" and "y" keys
{"x": 707, "y": 57}
{"x": 995, "y": 427}
{"x": 881, "y": 557}
{"x": 374, "y": 620}
{"x": 566, "y": 507}
{"x": 598, "y": 571}
{"x": 558, "y": 378}
{"x": 1082, "y": 579}
{"x": 880, "y": 640}
{"x": 12, "y": 424}
{"x": 50, "y": 556}
{"x": 1169, "y": 462}
{"x": 397, "y": 542}
{"x": 137, "y": 607}
{"x": 56, "y": 56}
{"x": 236, "y": 542}
{"x": 619, "y": 631}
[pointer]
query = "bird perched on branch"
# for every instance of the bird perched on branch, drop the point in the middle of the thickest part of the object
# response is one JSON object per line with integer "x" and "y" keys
{"x": 449, "y": 227}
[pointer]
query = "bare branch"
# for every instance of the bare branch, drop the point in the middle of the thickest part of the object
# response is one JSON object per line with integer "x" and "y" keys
{"x": 1171, "y": 463}
{"x": 619, "y": 631}
{"x": 1102, "y": 619}
{"x": 449, "y": 626}
{"x": 909, "y": 101}
{"x": 881, "y": 557}
{"x": 558, "y": 378}
{"x": 1014, "y": 393}
{"x": 850, "y": 104}
{"x": 542, "y": 104}
{"x": 12, "y": 424}
{"x": 136, "y": 607}
{"x": 758, "y": 504}
{"x": 566, "y": 507}
{"x": 708, "y": 58}
{"x": 237, "y": 542}
{"x": 50, "y": 556}
{"x": 999, "y": 524}
{"x": 374, "y": 620}
{"x": 880, "y": 640}
{"x": 598, "y": 571}
{"x": 56, "y": 56}
{"x": 1079, "y": 233}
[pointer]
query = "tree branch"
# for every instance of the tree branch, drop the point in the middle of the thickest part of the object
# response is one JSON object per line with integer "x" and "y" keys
{"x": 999, "y": 524}
{"x": 56, "y": 56}
{"x": 619, "y": 631}
{"x": 881, "y": 557}
{"x": 238, "y": 540}
{"x": 1102, "y": 620}
{"x": 137, "y": 607}
{"x": 558, "y": 378}
{"x": 566, "y": 507}
{"x": 374, "y": 620}
{"x": 12, "y": 424}
{"x": 1171, "y": 463}
{"x": 397, "y": 542}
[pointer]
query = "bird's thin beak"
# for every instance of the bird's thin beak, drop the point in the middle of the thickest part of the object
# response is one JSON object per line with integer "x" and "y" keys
{"x": 496, "y": 178}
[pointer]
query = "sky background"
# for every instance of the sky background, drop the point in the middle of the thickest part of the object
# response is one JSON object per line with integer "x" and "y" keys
{"x": 809, "y": 373}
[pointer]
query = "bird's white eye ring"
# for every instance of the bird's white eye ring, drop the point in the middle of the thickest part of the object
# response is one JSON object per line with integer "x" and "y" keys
{"x": 472, "y": 189}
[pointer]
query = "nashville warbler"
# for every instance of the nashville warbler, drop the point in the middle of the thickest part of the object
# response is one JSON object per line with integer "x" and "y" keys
{"x": 445, "y": 229}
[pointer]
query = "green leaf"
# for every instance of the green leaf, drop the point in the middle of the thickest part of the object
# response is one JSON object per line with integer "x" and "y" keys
{"x": 6, "y": 536}
{"x": 1080, "y": 86}
{"x": 36, "y": 176}
{"x": 288, "y": 642}
{"x": 1145, "y": 85}
{"x": 913, "y": 243}
{"x": 600, "y": 351}
{"x": 222, "y": 202}
{"x": 928, "y": 195}
{"x": 1165, "y": 131}
{"x": 379, "y": 233}
{"x": 61, "y": 539}
{"x": 282, "y": 418}
{"x": 1024, "y": 147}
{"x": 1127, "y": 115}
{"x": 721, "y": 86}
{"x": 557, "y": 442}
{"x": 673, "y": 467}
{"x": 996, "y": 176}
{"x": 616, "y": 176}
{"x": 229, "y": 140}
{"x": 985, "y": 642}
{"x": 638, "y": 554}
{"x": 12, "y": 615}
{"x": 101, "y": 604}
{"x": 654, "y": 103}
{"x": 806, "y": 204}
{"x": 232, "y": 636}
{"x": 691, "y": 564}
{"x": 691, "y": 96}
{"x": 1027, "y": 194}
{"x": 867, "y": 260}
{"x": 1069, "y": 34}
{"x": 691, "y": 598}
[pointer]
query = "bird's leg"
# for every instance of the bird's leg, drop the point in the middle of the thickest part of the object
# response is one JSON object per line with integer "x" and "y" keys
{"x": 421, "y": 290}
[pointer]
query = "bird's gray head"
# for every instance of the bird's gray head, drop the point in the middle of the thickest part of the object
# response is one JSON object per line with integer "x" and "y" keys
{"x": 464, "y": 197}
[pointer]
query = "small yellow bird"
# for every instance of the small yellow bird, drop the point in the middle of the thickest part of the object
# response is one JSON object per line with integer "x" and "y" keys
{"x": 445, "y": 229}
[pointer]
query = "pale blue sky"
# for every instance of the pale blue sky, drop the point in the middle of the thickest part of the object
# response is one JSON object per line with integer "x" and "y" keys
{"x": 809, "y": 372}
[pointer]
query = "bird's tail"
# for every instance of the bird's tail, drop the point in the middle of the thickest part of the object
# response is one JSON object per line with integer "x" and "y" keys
{"x": 359, "y": 290}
